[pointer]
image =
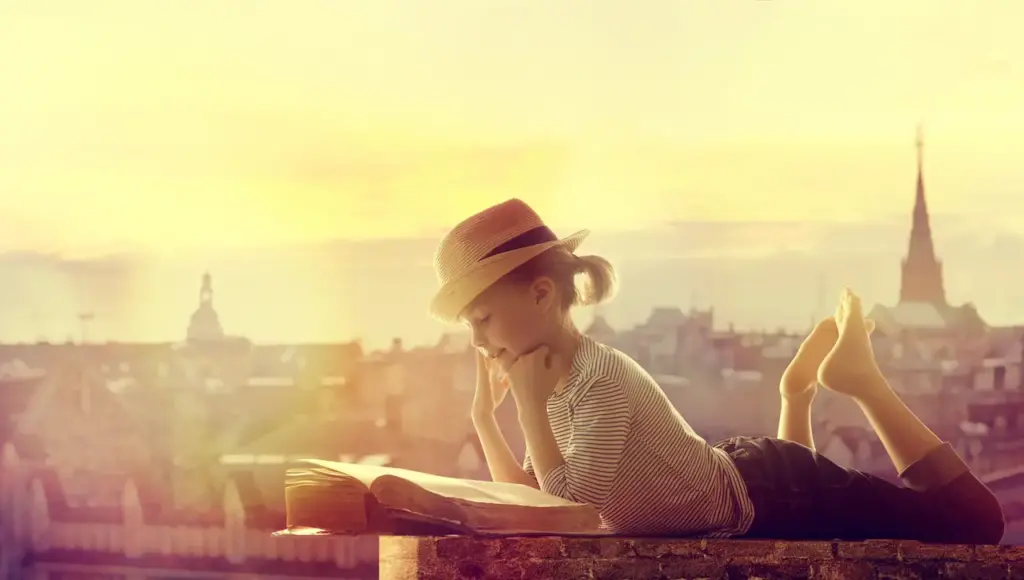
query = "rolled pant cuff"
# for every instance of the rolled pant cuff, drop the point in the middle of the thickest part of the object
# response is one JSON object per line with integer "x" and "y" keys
{"x": 936, "y": 469}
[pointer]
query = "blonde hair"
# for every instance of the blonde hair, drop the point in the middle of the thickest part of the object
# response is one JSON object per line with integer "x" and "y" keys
{"x": 563, "y": 266}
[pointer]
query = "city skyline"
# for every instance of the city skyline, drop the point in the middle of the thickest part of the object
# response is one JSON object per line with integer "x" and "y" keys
{"x": 294, "y": 296}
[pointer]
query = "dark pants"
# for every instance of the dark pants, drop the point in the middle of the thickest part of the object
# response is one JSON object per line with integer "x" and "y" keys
{"x": 799, "y": 494}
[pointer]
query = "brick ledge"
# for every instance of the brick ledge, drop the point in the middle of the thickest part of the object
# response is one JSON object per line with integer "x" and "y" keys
{"x": 407, "y": 558}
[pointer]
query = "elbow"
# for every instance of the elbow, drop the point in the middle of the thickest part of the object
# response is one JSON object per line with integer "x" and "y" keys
{"x": 571, "y": 493}
{"x": 573, "y": 486}
{"x": 559, "y": 482}
{"x": 524, "y": 477}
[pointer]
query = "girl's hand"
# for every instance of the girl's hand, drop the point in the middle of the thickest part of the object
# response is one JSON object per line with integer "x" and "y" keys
{"x": 492, "y": 385}
{"x": 534, "y": 377}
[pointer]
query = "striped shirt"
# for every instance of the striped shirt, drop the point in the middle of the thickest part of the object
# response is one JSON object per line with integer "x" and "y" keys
{"x": 629, "y": 453}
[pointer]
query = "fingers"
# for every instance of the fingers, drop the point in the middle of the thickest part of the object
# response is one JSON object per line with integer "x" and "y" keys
{"x": 482, "y": 367}
{"x": 504, "y": 363}
{"x": 541, "y": 355}
{"x": 498, "y": 375}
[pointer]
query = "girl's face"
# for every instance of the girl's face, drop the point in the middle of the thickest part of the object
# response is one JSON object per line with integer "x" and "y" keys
{"x": 510, "y": 319}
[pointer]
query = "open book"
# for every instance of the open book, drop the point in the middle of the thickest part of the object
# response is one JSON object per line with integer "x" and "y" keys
{"x": 342, "y": 498}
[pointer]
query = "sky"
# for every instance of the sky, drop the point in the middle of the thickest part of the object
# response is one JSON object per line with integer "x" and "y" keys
{"x": 168, "y": 125}
{"x": 728, "y": 132}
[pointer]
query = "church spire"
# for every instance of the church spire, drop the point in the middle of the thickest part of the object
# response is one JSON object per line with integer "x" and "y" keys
{"x": 922, "y": 271}
{"x": 922, "y": 224}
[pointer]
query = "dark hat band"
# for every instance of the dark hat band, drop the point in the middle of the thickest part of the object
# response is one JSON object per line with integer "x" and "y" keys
{"x": 538, "y": 235}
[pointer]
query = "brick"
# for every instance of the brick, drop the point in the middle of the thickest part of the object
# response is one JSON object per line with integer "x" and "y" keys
{"x": 429, "y": 571}
{"x": 624, "y": 569}
{"x": 560, "y": 568}
{"x": 914, "y": 571}
{"x": 398, "y": 568}
{"x": 468, "y": 569}
{"x": 403, "y": 548}
{"x": 875, "y": 550}
{"x": 1010, "y": 554}
{"x": 528, "y": 548}
{"x": 603, "y": 548}
{"x": 691, "y": 568}
{"x": 975, "y": 571}
{"x": 492, "y": 570}
{"x": 659, "y": 548}
{"x": 988, "y": 553}
{"x": 739, "y": 550}
{"x": 460, "y": 548}
{"x": 751, "y": 571}
{"x": 912, "y": 551}
{"x": 835, "y": 570}
{"x": 805, "y": 550}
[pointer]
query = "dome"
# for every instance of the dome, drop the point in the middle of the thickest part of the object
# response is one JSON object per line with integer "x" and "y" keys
{"x": 205, "y": 324}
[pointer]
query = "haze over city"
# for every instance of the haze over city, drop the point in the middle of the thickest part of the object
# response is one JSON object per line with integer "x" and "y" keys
{"x": 311, "y": 158}
{"x": 218, "y": 222}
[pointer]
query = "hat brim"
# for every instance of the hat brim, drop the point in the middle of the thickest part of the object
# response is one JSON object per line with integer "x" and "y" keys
{"x": 456, "y": 295}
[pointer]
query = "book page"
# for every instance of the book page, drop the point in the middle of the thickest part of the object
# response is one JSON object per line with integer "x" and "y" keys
{"x": 486, "y": 492}
{"x": 478, "y": 505}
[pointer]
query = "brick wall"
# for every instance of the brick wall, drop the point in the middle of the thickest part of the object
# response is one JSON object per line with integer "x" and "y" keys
{"x": 558, "y": 558}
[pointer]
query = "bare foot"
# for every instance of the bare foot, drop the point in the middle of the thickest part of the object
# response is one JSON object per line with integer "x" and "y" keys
{"x": 850, "y": 367}
{"x": 800, "y": 379}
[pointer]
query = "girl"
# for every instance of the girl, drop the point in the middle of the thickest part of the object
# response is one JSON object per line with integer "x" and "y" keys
{"x": 599, "y": 430}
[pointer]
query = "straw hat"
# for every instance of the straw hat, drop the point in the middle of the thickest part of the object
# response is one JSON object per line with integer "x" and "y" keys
{"x": 485, "y": 247}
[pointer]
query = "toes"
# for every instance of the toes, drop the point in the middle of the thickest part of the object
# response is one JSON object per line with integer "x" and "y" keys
{"x": 854, "y": 308}
{"x": 869, "y": 325}
{"x": 824, "y": 326}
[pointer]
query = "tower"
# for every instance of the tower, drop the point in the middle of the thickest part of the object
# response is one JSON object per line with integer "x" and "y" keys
{"x": 921, "y": 279}
{"x": 206, "y": 292}
{"x": 205, "y": 324}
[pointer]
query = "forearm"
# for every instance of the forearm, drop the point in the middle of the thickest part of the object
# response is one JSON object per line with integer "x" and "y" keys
{"x": 540, "y": 440}
{"x": 501, "y": 462}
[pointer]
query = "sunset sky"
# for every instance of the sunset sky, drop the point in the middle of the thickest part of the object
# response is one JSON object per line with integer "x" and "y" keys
{"x": 164, "y": 125}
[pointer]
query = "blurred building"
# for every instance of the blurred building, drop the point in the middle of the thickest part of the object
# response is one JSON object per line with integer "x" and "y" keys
{"x": 168, "y": 460}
